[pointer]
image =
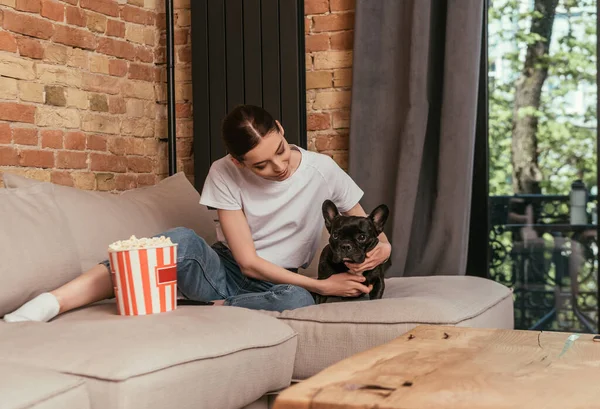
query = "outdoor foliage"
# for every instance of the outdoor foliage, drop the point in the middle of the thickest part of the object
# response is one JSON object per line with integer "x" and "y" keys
{"x": 566, "y": 132}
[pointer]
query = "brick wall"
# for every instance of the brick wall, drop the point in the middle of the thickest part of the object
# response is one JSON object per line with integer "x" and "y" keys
{"x": 329, "y": 35}
{"x": 183, "y": 86}
{"x": 83, "y": 94}
{"x": 78, "y": 92}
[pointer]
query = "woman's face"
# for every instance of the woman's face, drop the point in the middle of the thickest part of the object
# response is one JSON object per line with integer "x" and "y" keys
{"x": 270, "y": 159}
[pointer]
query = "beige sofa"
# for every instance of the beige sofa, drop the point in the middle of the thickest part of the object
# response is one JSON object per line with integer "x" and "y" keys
{"x": 194, "y": 357}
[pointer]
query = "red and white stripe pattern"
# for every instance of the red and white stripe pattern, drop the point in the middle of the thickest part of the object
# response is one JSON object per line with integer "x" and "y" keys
{"x": 145, "y": 280}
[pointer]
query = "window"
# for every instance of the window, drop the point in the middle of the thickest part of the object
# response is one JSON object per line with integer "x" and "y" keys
{"x": 542, "y": 162}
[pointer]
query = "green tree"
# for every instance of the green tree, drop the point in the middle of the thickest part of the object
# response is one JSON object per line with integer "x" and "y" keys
{"x": 562, "y": 144}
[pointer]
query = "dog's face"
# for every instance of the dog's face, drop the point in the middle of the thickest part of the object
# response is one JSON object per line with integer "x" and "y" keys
{"x": 351, "y": 237}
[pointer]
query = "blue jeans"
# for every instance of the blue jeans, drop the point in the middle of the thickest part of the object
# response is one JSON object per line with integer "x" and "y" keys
{"x": 206, "y": 273}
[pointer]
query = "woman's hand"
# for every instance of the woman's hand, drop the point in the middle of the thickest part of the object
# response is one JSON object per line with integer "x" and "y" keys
{"x": 375, "y": 257}
{"x": 344, "y": 285}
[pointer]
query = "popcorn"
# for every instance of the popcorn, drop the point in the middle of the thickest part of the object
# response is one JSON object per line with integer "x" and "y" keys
{"x": 133, "y": 243}
{"x": 144, "y": 275}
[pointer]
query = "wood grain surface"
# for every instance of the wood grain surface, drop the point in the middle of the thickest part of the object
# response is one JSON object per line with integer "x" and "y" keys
{"x": 451, "y": 367}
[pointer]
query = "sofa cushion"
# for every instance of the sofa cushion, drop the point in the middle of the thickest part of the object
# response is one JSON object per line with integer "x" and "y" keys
{"x": 97, "y": 219}
{"x": 221, "y": 357}
{"x": 26, "y": 387}
{"x": 37, "y": 250}
{"x": 328, "y": 333}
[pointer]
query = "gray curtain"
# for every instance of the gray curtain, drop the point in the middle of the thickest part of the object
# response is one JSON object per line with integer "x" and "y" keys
{"x": 412, "y": 129}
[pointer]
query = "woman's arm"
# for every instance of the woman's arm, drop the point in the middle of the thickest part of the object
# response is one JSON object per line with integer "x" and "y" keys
{"x": 379, "y": 255}
{"x": 237, "y": 232}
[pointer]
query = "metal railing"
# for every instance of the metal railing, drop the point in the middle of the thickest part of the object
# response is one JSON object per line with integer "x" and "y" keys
{"x": 551, "y": 265}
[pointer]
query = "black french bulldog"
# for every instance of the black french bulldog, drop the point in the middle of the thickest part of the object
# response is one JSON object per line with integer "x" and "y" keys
{"x": 350, "y": 239}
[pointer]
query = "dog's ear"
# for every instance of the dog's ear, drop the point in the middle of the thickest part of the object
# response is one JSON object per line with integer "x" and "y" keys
{"x": 330, "y": 212}
{"x": 379, "y": 217}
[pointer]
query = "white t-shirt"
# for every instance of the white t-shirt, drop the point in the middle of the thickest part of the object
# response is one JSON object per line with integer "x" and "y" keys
{"x": 285, "y": 217}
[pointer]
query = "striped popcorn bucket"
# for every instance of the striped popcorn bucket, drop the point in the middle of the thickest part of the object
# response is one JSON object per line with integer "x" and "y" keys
{"x": 145, "y": 280}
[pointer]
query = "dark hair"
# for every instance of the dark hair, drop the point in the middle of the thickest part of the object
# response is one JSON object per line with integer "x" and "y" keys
{"x": 243, "y": 128}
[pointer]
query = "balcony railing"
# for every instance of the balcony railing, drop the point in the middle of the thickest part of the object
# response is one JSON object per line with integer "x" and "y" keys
{"x": 551, "y": 265}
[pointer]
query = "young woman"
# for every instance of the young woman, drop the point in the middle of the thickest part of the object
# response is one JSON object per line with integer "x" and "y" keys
{"x": 268, "y": 196}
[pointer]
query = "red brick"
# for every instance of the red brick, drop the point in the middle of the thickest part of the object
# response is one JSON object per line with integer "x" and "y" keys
{"x": 98, "y": 102}
{"x": 161, "y": 21}
{"x": 28, "y": 47}
{"x": 25, "y": 136}
{"x": 96, "y": 142}
{"x": 144, "y": 54}
{"x": 107, "y": 163}
{"x": 61, "y": 178}
{"x": 36, "y": 159}
{"x": 317, "y": 122}
{"x": 307, "y": 25}
{"x": 160, "y": 55}
{"x": 185, "y": 54}
{"x": 8, "y": 156}
{"x": 316, "y": 6}
{"x": 117, "y": 68}
{"x": 183, "y": 18}
{"x": 100, "y": 83}
{"x": 126, "y": 182}
{"x": 75, "y": 141}
{"x": 342, "y": 41}
{"x": 108, "y": 7}
{"x": 331, "y": 142}
{"x": 5, "y": 133}
{"x": 72, "y": 2}
{"x": 183, "y": 110}
{"x": 115, "y": 28}
{"x": 11, "y": 111}
{"x": 333, "y": 22}
{"x": 96, "y": 22}
{"x": 184, "y": 147}
{"x": 71, "y": 160}
{"x": 75, "y": 37}
{"x": 137, "y": 15}
{"x": 146, "y": 180}
{"x": 116, "y": 48}
{"x": 342, "y": 5}
{"x": 7, "y": 42}
{"x": 53, "y": 10}
{"x": 52, "y": 139}
{"x": 141, "y": 72}
{"x": 185, "y": 128}
{"x": 76, "y": 16}
{"x": 160, "y": 74}
{"x": 139, "y": 164}
{"x": 116, "y": 105}
{"x": 342, "y": 78}
{"x": 317, "y": 42}
{"x": 187, "y": 166}
{"x": 162, "y": 41}
{"x": 152, "y": 146}
{"x": 181, "y": 36}
{"x": 32, "y": 6}
{"x": 341, "y": 158}
{"x": 28, "y": 25}
{"x": 120, "y": 146}
{"x": 341, "y": 119}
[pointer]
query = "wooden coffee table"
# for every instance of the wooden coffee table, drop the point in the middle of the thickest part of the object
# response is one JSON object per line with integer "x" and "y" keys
{"x": 450, "y": 367}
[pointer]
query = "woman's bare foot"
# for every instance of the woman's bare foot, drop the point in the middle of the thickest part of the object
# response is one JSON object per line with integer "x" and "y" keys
{"x": 219, "y": 302}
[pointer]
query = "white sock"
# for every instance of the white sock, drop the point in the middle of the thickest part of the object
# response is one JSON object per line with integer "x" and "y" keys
{"x": 42, "y": 308}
